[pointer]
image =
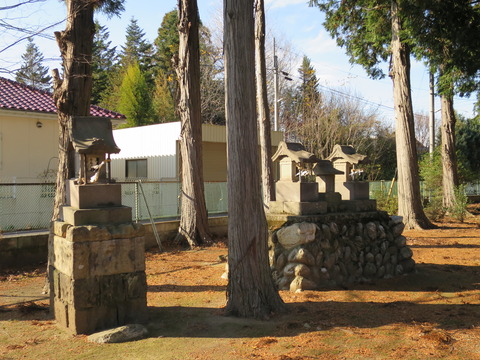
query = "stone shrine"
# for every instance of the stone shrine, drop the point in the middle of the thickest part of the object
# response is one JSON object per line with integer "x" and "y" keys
{"x": 294, "y": 192}
{"x": 346, "y": 159}
{"x": 336, "y": 237}
{"x": 97, "y": 257}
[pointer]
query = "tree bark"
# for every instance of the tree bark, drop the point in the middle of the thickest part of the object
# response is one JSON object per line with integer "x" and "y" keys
{"x": 194, "y": 218}
{"x": 409, "y": 197}
{"x": 263, "y": 113}
{"x": 449, "y": 157}
{"x": 71, "y": 93}
{"x": 251, "y": 291}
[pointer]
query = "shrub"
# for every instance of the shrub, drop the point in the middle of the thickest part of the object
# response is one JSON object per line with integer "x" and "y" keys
{"x": 386, "y": 203}
{"x": 459, "y": 210}
{"x": 434, "y": 208}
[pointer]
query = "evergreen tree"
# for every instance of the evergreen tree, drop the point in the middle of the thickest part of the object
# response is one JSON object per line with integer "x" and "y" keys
{"x": 212, "y": 87}
{"x": 135, "y": 100}
{"x": 167, "y": 42}
{"x": 32, "y": 72}
{"x": 136, "y": 48}
{"x": 103, "y": 64}
{"x": 446, "y": 36}
{"x": 162, "y": 101}
{"x": 371, "y": 32}
{"x": 467, "y": 139}
{"x": 308, "y": 90}
{"x": 308, "y": 76}
{"x": 166, "y": 49}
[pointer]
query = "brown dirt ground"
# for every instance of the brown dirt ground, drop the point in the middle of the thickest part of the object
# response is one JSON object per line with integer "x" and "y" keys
{"x": 431, "y": 314}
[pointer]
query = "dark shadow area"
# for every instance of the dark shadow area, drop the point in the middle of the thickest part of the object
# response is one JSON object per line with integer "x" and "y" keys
{"x": 26, "y": 311}
{"x": 307, "y": 317}
{"x": 447, "y": 246}
{"x": 21, "y": 299}
{"x": 428, "y": 277}
{"x": 433, "y": 239}
{"x": 184, "y": 288}
{"x": 452, "y": 227}
{"x": 203, "y": 264}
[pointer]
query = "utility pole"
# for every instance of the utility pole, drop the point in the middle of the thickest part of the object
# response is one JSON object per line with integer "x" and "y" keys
{"x": 275, "y": 72}
{"x": 431, "y": 122}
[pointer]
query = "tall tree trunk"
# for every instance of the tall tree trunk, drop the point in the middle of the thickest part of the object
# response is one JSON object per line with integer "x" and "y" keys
{"x": 409, "y": 198}
{"x": 251, "y": 291}
{"x": 449, "y": 157}
{"x": 71, "y": 93}
{"x": 263, "y": 113}
{"x": 194, "y": 217}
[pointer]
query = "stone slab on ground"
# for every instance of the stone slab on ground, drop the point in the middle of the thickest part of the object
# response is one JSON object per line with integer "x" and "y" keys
{"x": 130, "y": 332}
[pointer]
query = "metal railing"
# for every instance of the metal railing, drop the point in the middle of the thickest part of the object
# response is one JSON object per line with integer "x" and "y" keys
{"x": 30, "y": 206}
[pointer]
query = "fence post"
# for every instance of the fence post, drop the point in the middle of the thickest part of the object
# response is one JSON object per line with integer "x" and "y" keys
{"x": 136, "y": 203}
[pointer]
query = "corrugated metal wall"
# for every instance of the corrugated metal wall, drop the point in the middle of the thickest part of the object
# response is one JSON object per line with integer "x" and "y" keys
{"x": 158, "y": 167}
{"x": 159, "y": 145}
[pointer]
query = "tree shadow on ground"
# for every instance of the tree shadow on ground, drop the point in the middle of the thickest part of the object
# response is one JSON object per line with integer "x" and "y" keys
{"x": 185, "y": 288}
{"x": 429, "y": 277}
{"x": 307, "y": 317}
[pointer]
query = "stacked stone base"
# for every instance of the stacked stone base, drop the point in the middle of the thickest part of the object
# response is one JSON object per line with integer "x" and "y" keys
{"x": 98, "y": 276}
{"x": 326, "y": 251}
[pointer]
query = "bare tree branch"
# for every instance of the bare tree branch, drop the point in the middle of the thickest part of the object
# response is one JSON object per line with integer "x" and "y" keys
{"x": 20, "y": 4}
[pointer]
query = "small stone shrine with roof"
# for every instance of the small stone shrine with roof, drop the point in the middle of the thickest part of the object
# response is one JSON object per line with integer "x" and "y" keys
{"x": 346, "y": 159}
{"x": 97, "y": 266}
{"x": 324, "y": 230}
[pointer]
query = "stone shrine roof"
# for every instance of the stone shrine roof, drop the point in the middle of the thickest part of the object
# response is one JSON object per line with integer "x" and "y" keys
{"x": 325, "y": 167}
{"x": 93, "y": 135}
{"x": 346, "y": 152}
{"x": 294, "y": 151}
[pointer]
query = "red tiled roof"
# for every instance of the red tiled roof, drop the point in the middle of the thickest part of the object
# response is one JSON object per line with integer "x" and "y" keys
{"x": 16, "y": 96}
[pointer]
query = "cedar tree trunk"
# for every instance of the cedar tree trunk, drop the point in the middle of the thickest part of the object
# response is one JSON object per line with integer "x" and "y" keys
{"x": 409, "y": 198}
{"x": 71, "y": 94}
{"x": 449, "y": 157}
{"x": 251, "y": 291}
{"x": 194, "y": 217}
{"x": 263, "y": 113}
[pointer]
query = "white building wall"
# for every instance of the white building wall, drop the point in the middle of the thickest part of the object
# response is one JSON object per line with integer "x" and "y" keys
{"x": 144, "y": 141}
{"x": 158, "y": 144}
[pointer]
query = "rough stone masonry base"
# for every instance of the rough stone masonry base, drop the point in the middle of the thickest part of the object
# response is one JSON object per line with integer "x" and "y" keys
{"x": 325, "y": 251}
{"x": 98, "y": 276}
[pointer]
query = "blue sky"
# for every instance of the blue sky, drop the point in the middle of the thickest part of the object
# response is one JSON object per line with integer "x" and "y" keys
{"x": 291, "y": 20}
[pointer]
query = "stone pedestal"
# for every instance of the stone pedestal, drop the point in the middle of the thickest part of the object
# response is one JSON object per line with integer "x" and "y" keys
{"x": 97, "y": 266}
{"x": 93, "y": 195}
{"x": 353, "y": 190}
{"x": 296, "y": 191}
{"x": 333, "y": 200}
{"x": 298, "y": 208}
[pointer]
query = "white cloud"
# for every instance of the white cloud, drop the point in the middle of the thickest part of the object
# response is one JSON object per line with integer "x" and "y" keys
{"x": 272, "y": 4}
{"x": 319, "y": 44}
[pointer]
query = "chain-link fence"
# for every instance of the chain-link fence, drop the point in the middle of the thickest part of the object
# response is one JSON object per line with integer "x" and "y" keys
{"x": 386, "y": 187}
{"x": 25, "y": 206}
{"x": 30, "y": 206}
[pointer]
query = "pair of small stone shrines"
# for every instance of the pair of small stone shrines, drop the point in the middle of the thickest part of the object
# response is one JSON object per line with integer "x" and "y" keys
{"x": 97, "y": 256}
{"x": 324, "y": 231}
{"x": 308, "y": 185}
